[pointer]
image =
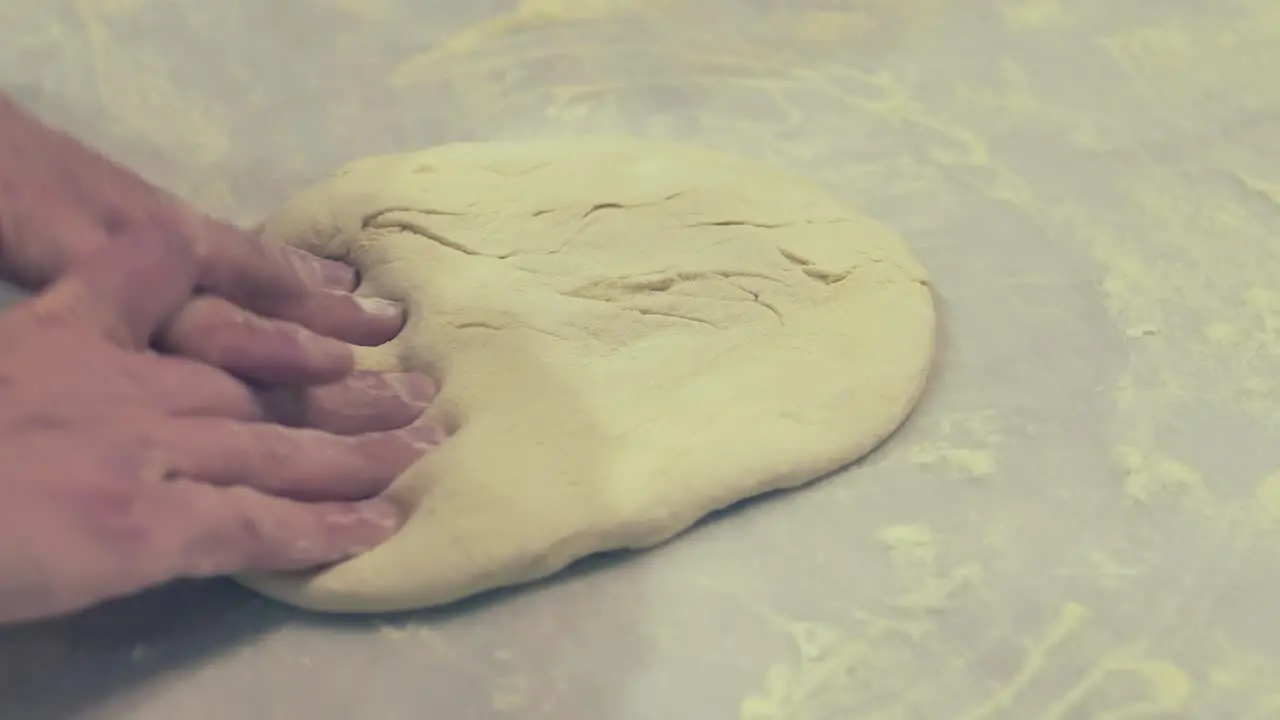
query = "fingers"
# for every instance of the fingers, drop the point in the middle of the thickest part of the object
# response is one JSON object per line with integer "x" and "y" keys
{"x": 302, "y": 464}
{"x": 200, "y": 530}
{"x": 358, "y": 320}
{"x": 224, "y": 335}
{"x": 183, "y": 387}
{"x": 289, "y": 284}
{"x": 72, "y": 200}
{"x": 295, "y": 286}
{"x": 362, "y": 402}
{"x": 125, "y": 293}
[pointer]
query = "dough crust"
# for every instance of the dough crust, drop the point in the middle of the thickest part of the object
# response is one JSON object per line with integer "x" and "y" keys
{"x": 629, "y": 335}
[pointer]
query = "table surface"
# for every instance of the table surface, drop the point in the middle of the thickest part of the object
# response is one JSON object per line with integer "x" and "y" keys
{"x": 1081, "y": 521}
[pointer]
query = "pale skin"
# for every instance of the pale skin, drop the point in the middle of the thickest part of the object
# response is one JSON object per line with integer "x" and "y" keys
{"x": 177, "y": 398}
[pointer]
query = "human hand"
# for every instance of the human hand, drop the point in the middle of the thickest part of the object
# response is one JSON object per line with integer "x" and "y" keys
{"x": 262, "y": 312}
{"x": 122, "y": 468}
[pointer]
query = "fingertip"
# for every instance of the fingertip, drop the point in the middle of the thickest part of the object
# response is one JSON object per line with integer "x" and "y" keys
{"x": 361, "y": 402}
{"x": 381, "y": 307}
{"x": 366, "y": 525}
{"x": 338, "y": 276}
{"x": 291, "y": 354}
{"x": 329, "y": 359}
{"x": 382, "y": 514}
{"x": 414, "y": 389}
{"x": 359, "y": 320}
{"x": 318, "y": 272}
{"x": 425, "y": 435}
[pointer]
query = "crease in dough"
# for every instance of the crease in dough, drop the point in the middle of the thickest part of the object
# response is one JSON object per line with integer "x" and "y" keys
{"x": 629, "y": 334}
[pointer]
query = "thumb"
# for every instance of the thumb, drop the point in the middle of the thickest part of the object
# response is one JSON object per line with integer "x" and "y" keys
{"x": 127, "y": 288}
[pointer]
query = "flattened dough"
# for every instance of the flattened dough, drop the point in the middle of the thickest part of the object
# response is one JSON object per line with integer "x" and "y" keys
{"x": 629, "y": 335}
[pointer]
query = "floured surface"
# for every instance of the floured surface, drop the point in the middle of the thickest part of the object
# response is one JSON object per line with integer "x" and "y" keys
{"x": 629, "y": 334}
{"x": 1082, "y": 520}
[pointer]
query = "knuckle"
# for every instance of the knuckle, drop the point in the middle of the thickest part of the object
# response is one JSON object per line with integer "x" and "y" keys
{"x": 226, "y": 538}
{"x": 134, "y": 458}
{"x": 244, "y": 528}
{"x": 110, "y": 512}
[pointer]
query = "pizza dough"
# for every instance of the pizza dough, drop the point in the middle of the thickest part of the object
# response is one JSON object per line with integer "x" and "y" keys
{"x": 629, "y": 334}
